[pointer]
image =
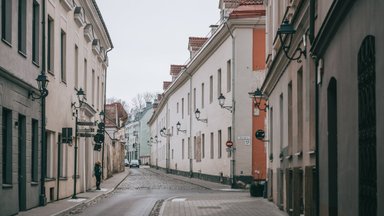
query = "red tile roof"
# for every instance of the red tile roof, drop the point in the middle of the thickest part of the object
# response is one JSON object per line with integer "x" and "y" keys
{"x": 175, "y": 69}
{"x": 166, "y": 84}
{"x": 196, "y": 42}
{"x": 248, "y": 11}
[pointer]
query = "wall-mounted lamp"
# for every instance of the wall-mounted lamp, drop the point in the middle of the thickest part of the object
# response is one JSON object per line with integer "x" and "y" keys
{"x": 286, "y": 29}
{"x": 153, "y": 140}
{"x": 197, "y": 115}
{"x": 222, "y": 101}
{"x": 178, "y": 125}
{"x": 163, "y": 132}
{"x": 80, "y": 97}
{"x": 42, "y": 83}
{"x": 258, "y": 97}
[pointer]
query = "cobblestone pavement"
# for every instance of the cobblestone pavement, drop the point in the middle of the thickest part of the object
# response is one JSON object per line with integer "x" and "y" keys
{"x": 141, "y": 193}
{"x": 220, "y": 204}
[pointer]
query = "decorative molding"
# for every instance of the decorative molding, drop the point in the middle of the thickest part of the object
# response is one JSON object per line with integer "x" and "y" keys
{"x": 96, "y": 46}
{"x": 67, "y": 4}
{"x": 88, "y": 33}
{"x": 79, "y": 16}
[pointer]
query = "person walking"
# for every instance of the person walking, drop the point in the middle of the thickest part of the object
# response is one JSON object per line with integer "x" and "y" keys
{"x": 97, "y": 172}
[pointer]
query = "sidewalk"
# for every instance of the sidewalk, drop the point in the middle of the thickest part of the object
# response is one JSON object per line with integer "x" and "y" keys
{"x": 223, "y": 201}
{"x": 64, "y": 206}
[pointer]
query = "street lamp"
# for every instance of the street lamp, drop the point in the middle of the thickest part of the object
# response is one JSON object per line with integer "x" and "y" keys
{"x": 197, "y": 115}
{"x": 178, "y": 125}
{"x": 42, "y": 83}
{"x": 222, "y": 101}
{"x": 81, "y": 97}
{"x": 286, "y": 29}
{"x": 257, "y": 97}
{"x": 163, "y": 132}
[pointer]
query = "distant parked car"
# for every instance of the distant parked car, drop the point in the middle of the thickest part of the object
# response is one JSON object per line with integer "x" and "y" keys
{"x": 134, "y": 163}
{"x": 126, "y": 162}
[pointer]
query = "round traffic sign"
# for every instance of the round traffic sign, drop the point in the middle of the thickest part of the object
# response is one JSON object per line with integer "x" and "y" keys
{"x": 229, "y": 143}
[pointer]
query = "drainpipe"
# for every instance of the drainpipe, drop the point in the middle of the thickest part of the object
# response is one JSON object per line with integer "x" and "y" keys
{"x": 42, "y": 197}
{"x": 233, "y": 158}
{"x": 105, "y": 113}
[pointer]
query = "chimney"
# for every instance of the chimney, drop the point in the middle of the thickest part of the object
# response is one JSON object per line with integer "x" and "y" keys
{"x": 213, "y": 28}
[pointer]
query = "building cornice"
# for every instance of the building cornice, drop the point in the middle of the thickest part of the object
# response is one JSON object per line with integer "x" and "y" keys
{"x": 335, "y": 16}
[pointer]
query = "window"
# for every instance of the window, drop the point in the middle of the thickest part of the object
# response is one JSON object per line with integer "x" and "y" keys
{"x": 93, "y": 88}
{"x": 102, "y": 96}
{"x": 62, "y": 152}
{"x": 202, "y": 95}
{"x": 290, "y": 122}
{"x": 76, "y": 67}
{"x": 202, "y": 145}
{"x": 63, "y": 57}
{"x": 219, "y": 144}
{"x": 98, "y": 93}
{"x": 50, "y": 44}
{"x": 85, "y": 75}
{"x": 36, "y": 32}
{"x": 172, "y": 153}
{"x": 271, "y": 129}
{"x": 7, "y": 146}
{"x": 34, "y": 151}
{"x": 194, "y": 148}
{"x": 218, "y": 82}
{"x": 281, "y": 121}
{"x": 6, "y": 21}
{"x": 182, "y": 149}
{"x": 22, "y": 28}
{"x": 177, "y": 107}
{"x": 212, "y": 146}
{"x": 210, "y": 89}
{"x": 194, "y": 99}
{"x": 300, "y": 110}
{"x": 189, "y": 148}
{"x": 182, "y": 108}
{"x": 189, "y": 103}
{"x": 229, "y": 76}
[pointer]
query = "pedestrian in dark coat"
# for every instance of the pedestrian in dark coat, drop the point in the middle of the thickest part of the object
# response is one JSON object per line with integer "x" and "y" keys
{"x": 97, "y": 172}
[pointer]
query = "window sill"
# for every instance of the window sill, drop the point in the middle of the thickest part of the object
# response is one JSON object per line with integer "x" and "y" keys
{"x": 63, "y": 179}
{"x": 22, "y": 53}
{"x": 51, "y": 72}
{"x": 6, "y": 42}
{"x": 34, "y": 183}
{"x": 36, "y": 63}
{"x": 7, "y": 186}
{"x": 48, "y": 179}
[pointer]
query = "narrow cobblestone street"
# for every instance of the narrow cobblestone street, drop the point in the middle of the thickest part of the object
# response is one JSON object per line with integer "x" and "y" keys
{"x": 151, "y": 192}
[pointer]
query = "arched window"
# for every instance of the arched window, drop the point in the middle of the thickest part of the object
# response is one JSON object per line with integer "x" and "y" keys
{"x": 367, "y": 128}
{"x": 332, "y": 147}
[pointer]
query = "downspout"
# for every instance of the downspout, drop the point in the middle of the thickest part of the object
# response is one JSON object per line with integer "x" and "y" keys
{"x": 233, "y": 159}
{"x": 42, "y": 198}
{"x": 190, "y": 126}
{"x": 105, "y": 113}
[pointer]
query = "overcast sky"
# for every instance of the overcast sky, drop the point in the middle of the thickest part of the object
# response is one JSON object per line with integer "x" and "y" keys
{"x": 148, "y": 36}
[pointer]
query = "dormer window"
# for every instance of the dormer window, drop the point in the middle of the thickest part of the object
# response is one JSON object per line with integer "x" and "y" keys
{"x": 79, "y": 16}
{"x": 67, "y": 4}
{"x": 96, "y": 46}
{"x": 88, "y": 33}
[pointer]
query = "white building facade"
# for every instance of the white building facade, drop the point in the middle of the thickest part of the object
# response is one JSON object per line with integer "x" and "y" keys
{"x": 223, "y": 65}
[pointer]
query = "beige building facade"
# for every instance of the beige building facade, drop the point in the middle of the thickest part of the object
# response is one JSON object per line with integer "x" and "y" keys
{"x": 348, "y": 54}
{"x": 290, "y": 90}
